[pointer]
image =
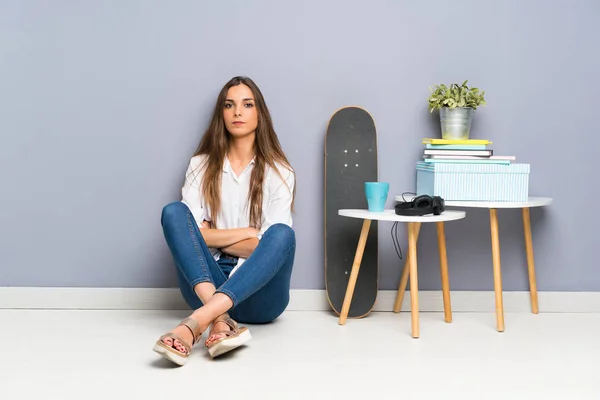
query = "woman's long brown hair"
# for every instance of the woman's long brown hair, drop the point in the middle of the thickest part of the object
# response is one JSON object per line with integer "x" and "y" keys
{"x": 215, "y": 144}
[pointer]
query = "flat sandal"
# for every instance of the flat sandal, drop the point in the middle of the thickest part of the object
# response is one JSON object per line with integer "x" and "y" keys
{"x": 172, "y": 354}
{"x": 233, "y": 339}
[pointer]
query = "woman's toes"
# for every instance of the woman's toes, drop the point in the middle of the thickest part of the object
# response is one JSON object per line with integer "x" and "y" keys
{"x": 215, "y": 337}
{"x": 179, "y": 347}
{"x": 176, "y": 344}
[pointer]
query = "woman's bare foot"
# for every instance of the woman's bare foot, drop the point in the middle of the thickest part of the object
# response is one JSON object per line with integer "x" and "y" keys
{"x": 185, "y": 334}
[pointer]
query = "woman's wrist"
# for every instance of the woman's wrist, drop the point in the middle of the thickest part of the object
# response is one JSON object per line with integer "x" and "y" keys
{"x": 251, "y": 233}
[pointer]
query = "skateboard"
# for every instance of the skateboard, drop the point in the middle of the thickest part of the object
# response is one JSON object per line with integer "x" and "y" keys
{"x": 350, "y": 161}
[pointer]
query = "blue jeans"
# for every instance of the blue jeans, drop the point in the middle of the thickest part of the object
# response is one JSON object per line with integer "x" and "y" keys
{"x": 259, "y": 289}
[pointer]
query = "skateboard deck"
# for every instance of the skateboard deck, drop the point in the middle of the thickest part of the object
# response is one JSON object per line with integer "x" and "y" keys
{"x": 350, "y": 161}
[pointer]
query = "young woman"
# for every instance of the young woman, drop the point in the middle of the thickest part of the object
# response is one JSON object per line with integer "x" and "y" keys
{"x": 231, "y": 236}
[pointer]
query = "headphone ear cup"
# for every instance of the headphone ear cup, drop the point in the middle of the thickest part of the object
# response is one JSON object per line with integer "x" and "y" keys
{"x": 422, "y": 201}
{"x": 439, "y": 206}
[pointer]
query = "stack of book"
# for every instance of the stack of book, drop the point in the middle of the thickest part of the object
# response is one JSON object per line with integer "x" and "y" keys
{"x": 468, "y": 170}
{"x": 467, "y": 151}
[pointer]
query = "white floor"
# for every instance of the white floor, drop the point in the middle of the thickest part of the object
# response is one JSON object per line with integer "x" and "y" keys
{"x": 108, "y": 354}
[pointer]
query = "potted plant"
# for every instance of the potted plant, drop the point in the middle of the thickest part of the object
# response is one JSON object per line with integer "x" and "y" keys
{"x": 456, "y": 104}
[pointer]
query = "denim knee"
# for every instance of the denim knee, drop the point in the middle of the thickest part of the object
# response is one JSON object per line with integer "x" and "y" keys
{"x": 172, "y": 211}
{"x": 283, "y": 232}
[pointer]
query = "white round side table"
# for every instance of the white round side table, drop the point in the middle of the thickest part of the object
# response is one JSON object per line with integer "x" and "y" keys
{"x": 414, "y": 226}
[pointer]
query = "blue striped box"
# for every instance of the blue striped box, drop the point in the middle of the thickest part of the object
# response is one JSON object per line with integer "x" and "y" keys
{"x": 474, "y": 182}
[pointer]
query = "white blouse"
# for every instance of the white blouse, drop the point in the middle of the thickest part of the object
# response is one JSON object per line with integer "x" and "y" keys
{"x": 277, "y": 198}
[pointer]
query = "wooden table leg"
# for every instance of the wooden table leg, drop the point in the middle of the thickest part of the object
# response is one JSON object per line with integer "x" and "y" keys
{"x": 444, "y": 271}
{"x": 354, "y": 274}
{"x": 497, "y": 272}
{"x": 414, "y": 283}
{"x": 530, "y": 262}
{"x": 404, "y": 277}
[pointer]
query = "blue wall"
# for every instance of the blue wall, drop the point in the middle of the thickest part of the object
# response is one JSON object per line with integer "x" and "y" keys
{"x": 103, "y": 103}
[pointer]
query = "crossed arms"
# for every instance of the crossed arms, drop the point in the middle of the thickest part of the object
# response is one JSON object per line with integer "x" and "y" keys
{"x": 239, "y": 242}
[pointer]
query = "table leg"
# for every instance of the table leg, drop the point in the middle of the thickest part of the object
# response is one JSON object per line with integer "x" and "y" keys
{"x": 497, "y": 272}
{"x": 414, "y": 284}
{"x": 444, "y": 271}
{"x": 404, "y": 277}
{"x": 354, "y": 273}
{"x": 530, "y": 262}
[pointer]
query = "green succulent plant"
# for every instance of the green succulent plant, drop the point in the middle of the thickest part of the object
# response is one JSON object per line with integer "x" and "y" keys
{"x": 455, "y": 96}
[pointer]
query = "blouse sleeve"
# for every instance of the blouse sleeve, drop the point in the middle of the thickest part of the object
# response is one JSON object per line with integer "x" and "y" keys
{"x": 278, "y": 208}
{"x": 190, "y": 192}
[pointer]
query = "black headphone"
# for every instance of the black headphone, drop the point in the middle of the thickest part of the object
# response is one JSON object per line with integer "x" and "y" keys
{"x": 421, "y": 205}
